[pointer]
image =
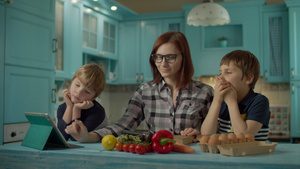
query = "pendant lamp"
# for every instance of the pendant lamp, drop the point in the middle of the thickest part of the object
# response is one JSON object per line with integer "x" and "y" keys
{"x": 208, "y": 14}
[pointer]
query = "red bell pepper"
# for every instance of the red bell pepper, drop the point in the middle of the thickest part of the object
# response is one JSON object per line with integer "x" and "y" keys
{"x": 162, "y": 141}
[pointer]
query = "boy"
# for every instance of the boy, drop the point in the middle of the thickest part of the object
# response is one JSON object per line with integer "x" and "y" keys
{"x": 80, "y": 104}
{"x": 235, "y": 107}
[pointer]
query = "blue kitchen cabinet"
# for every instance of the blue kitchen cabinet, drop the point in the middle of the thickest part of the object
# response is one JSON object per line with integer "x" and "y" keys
{"x": 294, "y": 45}
{"x": 27, "y": 90}
{"x": 109, "y": 29}
{"x": 91, "y": 31}
{"x": 173, "y": 24}
{"x": 275, "y": 43}
{"x": 136, "y": 41}
{"x": 30, "y": 39}
{"x": 242, "y": 33}
{"x": 295, "y": 109}
{"x": 99, "y": 34}
{"x": 27, "y": 59}
{"x": 129, "y": 61}
{"x": 2, "y": 34}
{"x": 69, "y": 51}
{"x": 100, "y": 37}
{"x": 150, "y": 31}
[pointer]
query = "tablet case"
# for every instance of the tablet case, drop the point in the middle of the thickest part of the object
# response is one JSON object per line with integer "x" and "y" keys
{"x": 42, "y": 132}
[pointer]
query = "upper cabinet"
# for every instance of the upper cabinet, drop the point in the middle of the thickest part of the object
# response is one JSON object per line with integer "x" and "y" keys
{"x": 99, "y": 34}
{"x": 275, "y": 43}
{"x": 243, "y": 32}
{"x": 136, "y": 41}
{"x": 30, "y": 34}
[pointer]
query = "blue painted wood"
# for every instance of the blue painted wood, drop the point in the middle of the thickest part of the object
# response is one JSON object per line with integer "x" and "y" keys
{"x": 27, "y": 90}
{"x": 93, "y": 155}
{"x": 42, "y": 9}
{"x": 150, "y": 31}
{"x": 29, "y": 40}
{"x": 72, "y": 44}
{"x": 275, "y": 11}
{"x": 294, "y": 46}
{"x": 2, "y": 34}
{"x": 295, "y": 109}
{"x": 129, "y": 61}
{"x": 112, "y": 41}
{"x": 294, "y": 43}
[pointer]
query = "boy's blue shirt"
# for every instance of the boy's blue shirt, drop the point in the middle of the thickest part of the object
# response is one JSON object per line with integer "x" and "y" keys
{"x": 255, "y": 107}
{"x": 91, "y": 118}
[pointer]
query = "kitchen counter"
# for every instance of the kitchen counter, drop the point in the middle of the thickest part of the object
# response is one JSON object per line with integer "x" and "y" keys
{"x": 93, "y": 155}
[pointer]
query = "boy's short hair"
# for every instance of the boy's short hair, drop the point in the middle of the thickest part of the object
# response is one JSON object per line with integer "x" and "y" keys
{"x": 92, "y": 76}
{"x": 246, "y": 61}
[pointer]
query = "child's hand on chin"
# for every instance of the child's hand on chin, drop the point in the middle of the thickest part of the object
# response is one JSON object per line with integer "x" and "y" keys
{"x": 67, "y": 97}
{"x": 84, "y": 105}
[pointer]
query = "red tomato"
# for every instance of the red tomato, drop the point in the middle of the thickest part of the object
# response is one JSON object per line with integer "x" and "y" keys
{"x": 119, "y": 146}
{"x": 132, "y": 148}
{"x": 149, "y": 148}
{"x": 125, "y": 147}
{"x": 140, "y": 149}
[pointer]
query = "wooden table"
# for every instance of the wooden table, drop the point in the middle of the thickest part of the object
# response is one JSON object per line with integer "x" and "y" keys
{"x": 92, "y": 155}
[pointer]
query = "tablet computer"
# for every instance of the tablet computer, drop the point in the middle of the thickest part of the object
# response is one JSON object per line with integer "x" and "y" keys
{"x": 43, "y": 133}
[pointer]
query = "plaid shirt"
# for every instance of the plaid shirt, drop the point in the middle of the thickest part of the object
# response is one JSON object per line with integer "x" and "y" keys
{"x": 153, "y": 103}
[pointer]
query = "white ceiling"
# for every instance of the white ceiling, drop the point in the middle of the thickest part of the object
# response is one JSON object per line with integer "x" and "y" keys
{"x": 154, "y": 6}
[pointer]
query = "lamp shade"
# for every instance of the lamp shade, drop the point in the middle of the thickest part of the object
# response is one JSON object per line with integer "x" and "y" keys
{"x": 208, "y": 14}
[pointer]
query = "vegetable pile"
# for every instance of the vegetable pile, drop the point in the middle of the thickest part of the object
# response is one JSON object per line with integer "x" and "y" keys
{"x": 134, "y": 144}
{"x": 161, "y": 142}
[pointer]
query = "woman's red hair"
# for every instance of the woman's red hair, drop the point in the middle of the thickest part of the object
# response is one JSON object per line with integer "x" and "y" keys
{"x": 181, "y": 43}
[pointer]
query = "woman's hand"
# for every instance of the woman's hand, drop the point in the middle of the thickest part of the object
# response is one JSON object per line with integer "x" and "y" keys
{"x": 78, "y": 131}
{"x": 190, "y": 132}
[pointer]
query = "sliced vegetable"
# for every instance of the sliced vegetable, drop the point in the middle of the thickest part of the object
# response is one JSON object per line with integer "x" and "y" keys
{"x": 182, "y": 148}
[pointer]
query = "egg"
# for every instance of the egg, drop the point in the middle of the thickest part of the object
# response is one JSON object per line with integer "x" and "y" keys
{"x": 224, "y": 139}
{"x": 204, "y": 139}
{"x": 249, "y": 137}
{"x": 241, "y": 138}
{"x": 214, "y": 140}
{"x": 232, "y": 138}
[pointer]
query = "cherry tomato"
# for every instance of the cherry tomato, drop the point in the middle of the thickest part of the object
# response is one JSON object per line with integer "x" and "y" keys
{"x": 149, "y": 148}
{"x": 119, "y": 146}
{"x": 132, "y": 148}
{"x": 125, "y": 147}
{"x": 140, "y": 149}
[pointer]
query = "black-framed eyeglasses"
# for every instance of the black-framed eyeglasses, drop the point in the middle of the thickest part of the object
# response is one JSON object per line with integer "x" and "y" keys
{"x": 169, "y": 58}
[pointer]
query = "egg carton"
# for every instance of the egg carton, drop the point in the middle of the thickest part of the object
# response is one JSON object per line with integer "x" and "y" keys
{"x": 240, "y": 149}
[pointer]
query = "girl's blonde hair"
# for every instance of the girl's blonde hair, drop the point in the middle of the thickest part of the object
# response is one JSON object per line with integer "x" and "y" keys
{"x": 92, "y": 76}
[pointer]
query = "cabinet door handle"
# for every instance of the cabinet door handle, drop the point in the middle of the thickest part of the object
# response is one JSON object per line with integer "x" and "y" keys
{"x": 293, "y": 73}
{"x": 137, "y": 77}
{"x": 142, "y": 77}
{"x": 293, "y": 88}
{"x": 54, "y": 45}
{"x": 53, "y": 96}
{"x": 266, "y": 75}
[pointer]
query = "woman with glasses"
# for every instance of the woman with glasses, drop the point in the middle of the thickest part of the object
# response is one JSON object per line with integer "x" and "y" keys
{"x": 171, "y": 101}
